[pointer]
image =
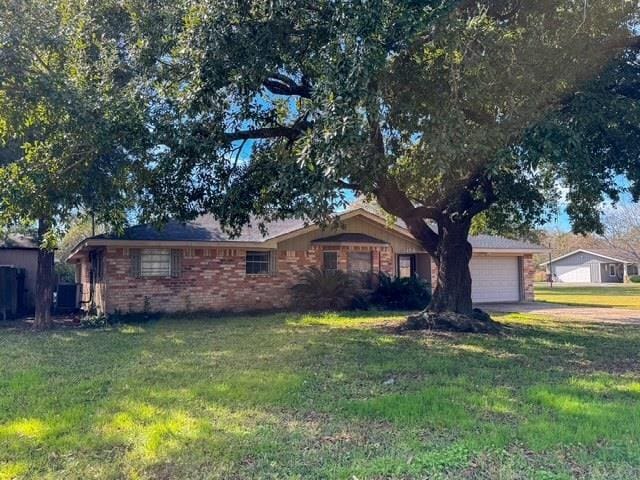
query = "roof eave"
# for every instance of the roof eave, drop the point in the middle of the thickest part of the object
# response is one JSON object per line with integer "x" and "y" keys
{"x": 125, "y": 243}
{"x": 510, "y": 250}
{"x": 356, "y": 244}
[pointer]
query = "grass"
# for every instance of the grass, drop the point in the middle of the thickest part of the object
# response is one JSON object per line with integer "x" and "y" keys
{"x": 623, "y": 295}
{"x": 322, "y": 396}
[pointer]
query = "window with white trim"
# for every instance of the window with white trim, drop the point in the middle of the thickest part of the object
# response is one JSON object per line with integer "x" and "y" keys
{"x": 612, "y": 270}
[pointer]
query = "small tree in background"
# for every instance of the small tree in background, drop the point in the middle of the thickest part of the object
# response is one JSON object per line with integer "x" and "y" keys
{"x": 622, "y": 229}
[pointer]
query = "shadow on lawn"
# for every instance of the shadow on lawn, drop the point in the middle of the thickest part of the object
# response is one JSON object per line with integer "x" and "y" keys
{"x": 282, "y": 394}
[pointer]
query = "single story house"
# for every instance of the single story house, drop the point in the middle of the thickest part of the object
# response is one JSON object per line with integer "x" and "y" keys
{"x": 21, "y": 252}
{"x": 593, "y": 266}
{"x": 196, "y": 266}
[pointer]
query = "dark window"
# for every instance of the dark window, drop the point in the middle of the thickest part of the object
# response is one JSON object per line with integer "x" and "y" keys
{"x": 360, "y": 262}
{"x": 258, "y": 262}
{"x": 330, "y": 261}
{"x": 632, "y": 270}
{"x": 612, "y": 270}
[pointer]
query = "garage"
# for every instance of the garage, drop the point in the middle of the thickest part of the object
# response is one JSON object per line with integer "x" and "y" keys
{"x": 573, "y": 273}
{"x": 495, "y": 279}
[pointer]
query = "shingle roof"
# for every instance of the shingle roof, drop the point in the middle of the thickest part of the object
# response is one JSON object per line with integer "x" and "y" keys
{"x": 616, "y": 253}
{"x": 349, "y": 238}
{"x": 17, "y": 240}
{"x": 207, "y": 229}
{"x": 499, "y": 243}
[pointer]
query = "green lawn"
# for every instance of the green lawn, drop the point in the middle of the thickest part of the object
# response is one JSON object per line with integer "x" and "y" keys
{"x": 623, "y": 295}
{"x": 305, "y": 397}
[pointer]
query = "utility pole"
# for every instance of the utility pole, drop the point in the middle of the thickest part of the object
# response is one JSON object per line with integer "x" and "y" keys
{"x": 550, "y": 268}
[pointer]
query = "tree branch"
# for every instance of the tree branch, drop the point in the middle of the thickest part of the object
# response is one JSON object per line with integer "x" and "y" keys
{"x": 279, "y": 84}
{"x": 291, "y": 133}
{"x": 394, "y": 201}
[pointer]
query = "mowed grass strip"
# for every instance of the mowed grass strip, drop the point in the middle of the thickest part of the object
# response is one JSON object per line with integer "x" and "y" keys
{"x": 320, "y": 396}
{"x": 622, "y": 296}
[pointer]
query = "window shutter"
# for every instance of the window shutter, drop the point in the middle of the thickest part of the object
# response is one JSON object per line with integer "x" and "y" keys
{"x": 176, "y": 263}
{"x": 273, "y": 262}
{"x": 134, "y": 254}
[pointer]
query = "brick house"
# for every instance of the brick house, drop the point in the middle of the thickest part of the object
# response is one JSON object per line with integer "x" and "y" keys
{"x": 196, "y": 266}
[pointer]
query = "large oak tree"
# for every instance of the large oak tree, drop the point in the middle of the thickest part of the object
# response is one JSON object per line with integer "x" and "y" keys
{"x": 441, "y": 111}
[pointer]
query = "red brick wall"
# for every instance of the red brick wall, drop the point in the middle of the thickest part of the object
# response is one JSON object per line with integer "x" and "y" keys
{"x": 529, "y": 272}
{"x": 215, "y": 279}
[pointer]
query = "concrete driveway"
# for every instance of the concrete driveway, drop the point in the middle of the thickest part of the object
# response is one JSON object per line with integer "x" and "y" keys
{"x": 620, "y": 316}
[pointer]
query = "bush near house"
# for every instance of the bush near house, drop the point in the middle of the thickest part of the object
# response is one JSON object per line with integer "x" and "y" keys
{"x": 634, "y": 278}
{"x": 401, "y": 293}
{"x": 337, "y": 290}
{"x": 326, "y": 290}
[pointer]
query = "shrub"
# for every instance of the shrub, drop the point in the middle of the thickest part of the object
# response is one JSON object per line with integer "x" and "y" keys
{"x": 634, "y": 278}
{"x": 326, "y": 290}
{"x": 401, "y": 293}
{"x": 94, "y": 321}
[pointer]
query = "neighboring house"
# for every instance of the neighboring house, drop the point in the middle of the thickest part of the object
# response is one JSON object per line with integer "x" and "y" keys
{"x": 21, "y": 252}
{"x": 196, "y": 266}
{"x": 593, "y": 266}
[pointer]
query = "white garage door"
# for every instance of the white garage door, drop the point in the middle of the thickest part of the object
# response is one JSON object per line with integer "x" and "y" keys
{"x": 495, "y": 279}
{"x": 573, "y": 274}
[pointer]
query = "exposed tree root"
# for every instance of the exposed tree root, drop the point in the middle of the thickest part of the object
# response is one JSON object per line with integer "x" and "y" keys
{"x": 478, "y": 322}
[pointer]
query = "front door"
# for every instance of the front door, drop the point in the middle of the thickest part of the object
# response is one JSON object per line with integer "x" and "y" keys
{"x": 406, "y": 266}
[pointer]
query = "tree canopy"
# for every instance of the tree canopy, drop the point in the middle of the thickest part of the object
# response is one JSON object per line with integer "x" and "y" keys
{"x": 273, "y": 108}
{"x": 67, "y": 124}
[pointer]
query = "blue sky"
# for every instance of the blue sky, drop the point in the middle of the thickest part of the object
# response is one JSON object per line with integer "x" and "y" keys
{"x": 561, "y": 222}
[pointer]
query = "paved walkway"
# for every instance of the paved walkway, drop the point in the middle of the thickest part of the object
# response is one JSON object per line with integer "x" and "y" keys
{"x": 621, "y": 316}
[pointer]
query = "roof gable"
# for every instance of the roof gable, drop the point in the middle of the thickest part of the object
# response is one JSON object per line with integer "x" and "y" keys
{"x": 614, "y": 255}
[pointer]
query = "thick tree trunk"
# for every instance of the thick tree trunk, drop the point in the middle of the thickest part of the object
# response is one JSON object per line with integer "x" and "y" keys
{"x": 44, "y": 283}
{"x": 451, "y": 308}
{"x": 452, "y": 291}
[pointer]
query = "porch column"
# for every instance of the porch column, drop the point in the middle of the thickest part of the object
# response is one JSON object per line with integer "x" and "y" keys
{"x": 625, "y": 274}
